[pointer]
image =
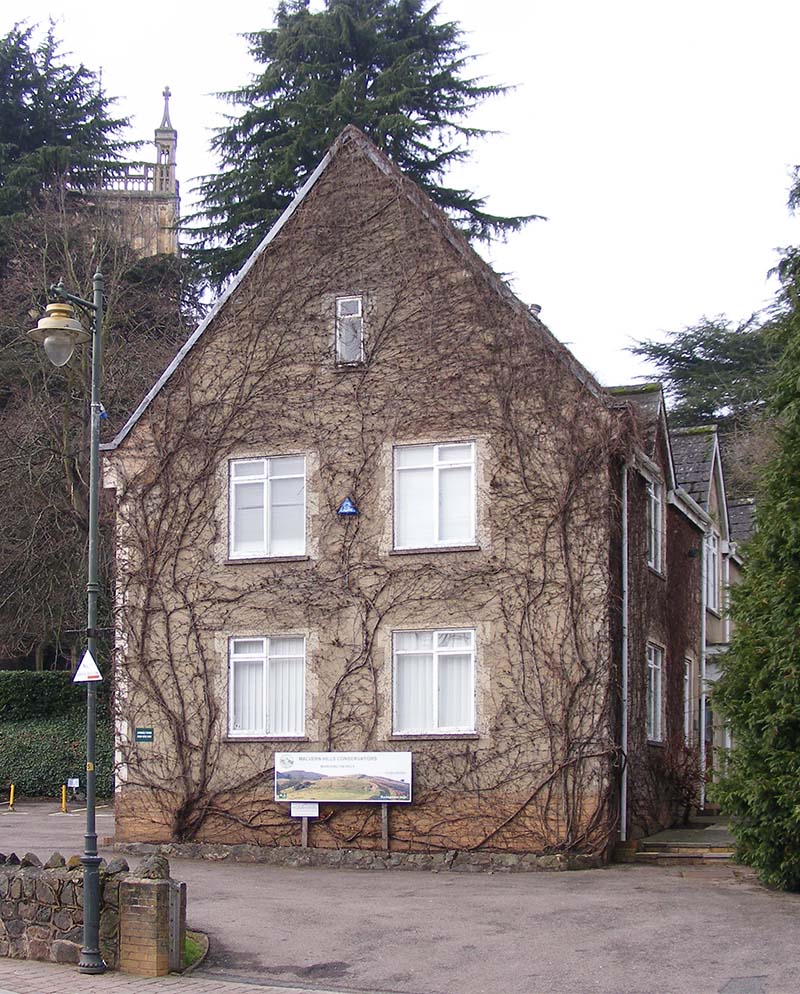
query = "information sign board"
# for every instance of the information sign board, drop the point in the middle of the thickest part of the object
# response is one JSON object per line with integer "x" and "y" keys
{"x": 343, "y": 777}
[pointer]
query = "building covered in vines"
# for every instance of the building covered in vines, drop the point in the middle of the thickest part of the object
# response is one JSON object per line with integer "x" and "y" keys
{"x": 374, "y": 506}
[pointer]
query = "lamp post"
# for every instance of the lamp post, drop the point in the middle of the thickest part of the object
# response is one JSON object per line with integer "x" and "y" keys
{"x": 59, "y": 332}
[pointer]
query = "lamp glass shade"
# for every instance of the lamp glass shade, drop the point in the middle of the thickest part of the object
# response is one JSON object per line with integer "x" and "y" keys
{"x": 59, "y": 346}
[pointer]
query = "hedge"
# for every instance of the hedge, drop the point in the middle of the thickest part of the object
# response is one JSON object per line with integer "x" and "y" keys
{"x": 52, "y": 694}
{"x": 39, "y": 755}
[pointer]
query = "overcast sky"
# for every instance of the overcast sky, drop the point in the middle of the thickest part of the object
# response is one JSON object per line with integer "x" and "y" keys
{"x": 657, "y": 138}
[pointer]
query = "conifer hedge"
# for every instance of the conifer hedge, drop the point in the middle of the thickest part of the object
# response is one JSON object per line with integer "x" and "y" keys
{"x": 759, "y": 692}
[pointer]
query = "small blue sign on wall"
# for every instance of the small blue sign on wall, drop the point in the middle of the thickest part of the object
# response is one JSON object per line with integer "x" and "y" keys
{"x": 347, "y": 509}
{"x": 144, "y": 735}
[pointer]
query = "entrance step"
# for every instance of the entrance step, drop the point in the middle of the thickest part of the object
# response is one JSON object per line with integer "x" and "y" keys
{"x": 694, "y": 845}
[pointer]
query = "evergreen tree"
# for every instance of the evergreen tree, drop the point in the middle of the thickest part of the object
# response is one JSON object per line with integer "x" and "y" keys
{"x": 759, "y": 692}
{"x": 385, "y": 66}
{"x": 716, "y": 372}
{"x": 57, "y": 140}
{"x": 56, "y": 125}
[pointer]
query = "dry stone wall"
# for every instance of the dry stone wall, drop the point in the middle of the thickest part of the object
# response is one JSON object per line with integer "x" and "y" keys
{"x": 41, "y": 908}
{"x": 41, "y": 912}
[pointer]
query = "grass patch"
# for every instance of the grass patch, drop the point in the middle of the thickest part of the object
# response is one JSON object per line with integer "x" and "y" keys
{"x": 194, "y": 948}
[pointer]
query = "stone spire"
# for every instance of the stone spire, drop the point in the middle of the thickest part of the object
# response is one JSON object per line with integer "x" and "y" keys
{"x": 166, "y": 141}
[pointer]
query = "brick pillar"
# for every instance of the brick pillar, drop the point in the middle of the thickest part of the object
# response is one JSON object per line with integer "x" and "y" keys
{"x": 144, "y": 927}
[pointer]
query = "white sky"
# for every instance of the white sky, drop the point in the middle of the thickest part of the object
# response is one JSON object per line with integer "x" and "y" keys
{"x": 657, "y": 138}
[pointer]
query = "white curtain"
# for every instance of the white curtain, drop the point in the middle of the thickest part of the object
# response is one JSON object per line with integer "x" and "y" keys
{"x": 455, "y": 691}
{"x": 287, "y": 517}
{"x": 455, "y": 504}
{"x": 248, "y": 522}
{"x": 248, "y": 696}
{"x": 414, "y": 522}
{"x": 413, "y": 692}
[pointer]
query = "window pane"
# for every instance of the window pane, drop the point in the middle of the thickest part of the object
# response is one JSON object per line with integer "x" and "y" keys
{"x": 348, "y": 339}
{"x": 287, "y": 466}
{"x": 248, "y": 696}
{"x": 255, "y": 468}
{"x": 413, "y": 455}
{"x": 412, "y": 641}
{"x": 248, "y": 647}
{"x": 348, "y": 305}
{"x": 286, "y": 647}
{"x": 454, "y": 640}
{"x": 285, "y": 694}
{"x": 414, "y": 521}
{"x": 455, "y": 453}
{"x": 414, "y": 693}
{"x": 455, "y": 505}
{"x": 287, "y": 517}
{"x": 248, "y": 517}
{"x": 455, "y": 691}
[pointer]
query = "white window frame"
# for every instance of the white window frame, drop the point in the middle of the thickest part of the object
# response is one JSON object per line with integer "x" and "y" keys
{"x": 688, "y": 666}
{"x": 713, "y": 600}
{"x": 655, "y": 524}
{"x": 436, "y": 651}
{"x": 654, "y": 692}
{"x": 436, "y": 467}
{"x": 347, "y": 300}
{"x": 265, "y": 479}
{"x": 263, "y": 731}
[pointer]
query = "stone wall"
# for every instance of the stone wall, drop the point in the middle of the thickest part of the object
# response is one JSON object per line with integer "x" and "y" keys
{"x": 456, "y": 861}
{"x": 41, "y": 912}
{"x": 41, "y": 908}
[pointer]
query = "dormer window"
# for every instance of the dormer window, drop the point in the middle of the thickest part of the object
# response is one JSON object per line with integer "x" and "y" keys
{"x": 349, "y": 330}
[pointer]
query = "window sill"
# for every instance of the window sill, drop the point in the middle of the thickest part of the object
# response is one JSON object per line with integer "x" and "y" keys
{"x": 346, "y": 367}
{"x": 266, "y": 559}
{"x": 715, "y": 611}
{"x": 660, "y": 573}
{"x": 265, "y": 738}
{"x": 431, "y": 736}
{"x": 657, "y": 743}
{"x": 434, "y": 548}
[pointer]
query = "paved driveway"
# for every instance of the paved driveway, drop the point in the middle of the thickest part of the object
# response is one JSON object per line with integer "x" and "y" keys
{"x": 623, "y": 930}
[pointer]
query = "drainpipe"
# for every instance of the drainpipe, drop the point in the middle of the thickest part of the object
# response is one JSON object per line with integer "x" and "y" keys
{"x": 704, "y": 561}
{"x": 623, "y": 788}
{"x": 726, "y": 579}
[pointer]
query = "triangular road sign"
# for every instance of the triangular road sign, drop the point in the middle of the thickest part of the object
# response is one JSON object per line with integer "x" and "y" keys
{"x": 87, "y": 672}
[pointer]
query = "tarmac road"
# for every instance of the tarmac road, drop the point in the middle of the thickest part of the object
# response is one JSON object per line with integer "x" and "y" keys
{"x": 623, "y": 930}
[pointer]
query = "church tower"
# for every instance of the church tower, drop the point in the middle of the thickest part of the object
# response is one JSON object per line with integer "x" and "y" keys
{"x": 145, "y": 196}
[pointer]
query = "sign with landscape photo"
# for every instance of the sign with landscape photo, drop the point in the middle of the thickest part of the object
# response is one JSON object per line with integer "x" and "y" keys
{"x": 355, "y": 777}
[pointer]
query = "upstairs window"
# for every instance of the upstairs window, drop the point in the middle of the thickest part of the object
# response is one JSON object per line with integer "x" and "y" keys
{"x": 267, "y": 507}
{"x": 267, "y": 686}
{"x": 349, "y": 330}
{"x": 434, "y": 681}
{"x": 655, "y": 669}
{"x": 434, "y": 495}
{"x": 712, "y": 572}
{"x": 687, "y": 701}
{"x": 655, "y": 525}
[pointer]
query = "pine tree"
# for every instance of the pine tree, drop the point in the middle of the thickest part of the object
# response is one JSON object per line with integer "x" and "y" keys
{"x": 716, "y": 372}
{"x": 385, "y": 66}
{"x": 56, "y": 125}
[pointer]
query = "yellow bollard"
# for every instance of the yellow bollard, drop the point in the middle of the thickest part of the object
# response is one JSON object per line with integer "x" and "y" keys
{"x": 64, "y": 798}
{"x": 11, "y": 798}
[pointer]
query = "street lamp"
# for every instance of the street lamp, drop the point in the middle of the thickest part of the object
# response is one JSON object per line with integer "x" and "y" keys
{"x": 59, "y": 331}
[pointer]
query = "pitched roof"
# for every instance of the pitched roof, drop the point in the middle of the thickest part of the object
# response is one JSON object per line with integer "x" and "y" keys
{"x": 351, "y": 137}
{"x": 648, "y": 398}
{"x": 742, "y": 518}
{"x": 693, "y": 450}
